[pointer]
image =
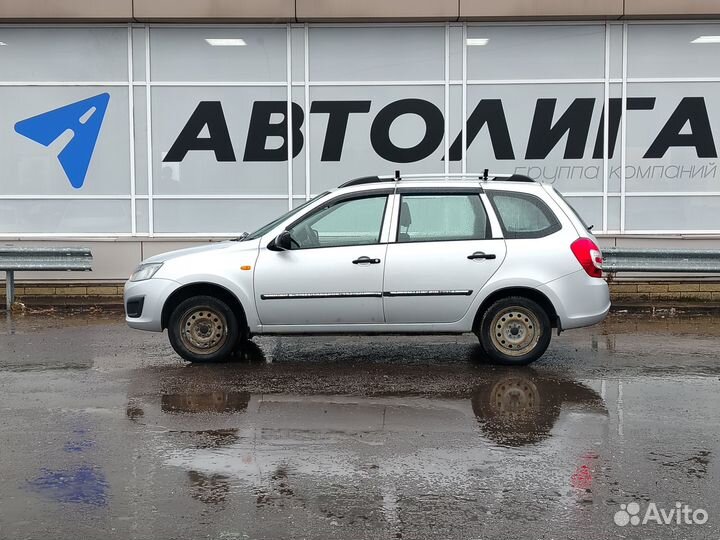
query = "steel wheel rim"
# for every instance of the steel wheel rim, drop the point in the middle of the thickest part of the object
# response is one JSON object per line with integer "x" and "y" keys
{"x": 203, "y": 330}
{"x": 515, "y": 331}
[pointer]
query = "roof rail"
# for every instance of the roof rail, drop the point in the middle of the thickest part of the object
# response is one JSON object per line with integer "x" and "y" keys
{"x": 519, "y": 178}
{"x": 485, "y": 176}
{"x": 366, "y": 180}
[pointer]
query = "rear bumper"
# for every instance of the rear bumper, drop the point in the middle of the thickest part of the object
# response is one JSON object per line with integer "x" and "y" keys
{"x": 154, "y": 292}
{"x": 580, "y": 300}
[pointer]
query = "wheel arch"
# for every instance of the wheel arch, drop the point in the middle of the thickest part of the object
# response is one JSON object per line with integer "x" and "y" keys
{"x": 208, "y": 289}
{"x": 527, "y": 292}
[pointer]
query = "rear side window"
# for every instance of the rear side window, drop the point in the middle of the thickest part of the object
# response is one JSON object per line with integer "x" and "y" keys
{"x": 522, "y": 215}
{"x": 433, "y": 218}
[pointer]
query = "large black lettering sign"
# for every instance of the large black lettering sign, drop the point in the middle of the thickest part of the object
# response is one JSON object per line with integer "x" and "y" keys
{"x": 434, "y": 130}
{"x": 490, "y": 112}
{"x": 260, "y": 129}
{"x": 691, "y": 110}
{"x": 338, "y": 115}
{"x": 210, "y": 114}
{"x": 575, "y": 122}
{"x": 688, "y": 126}
{"x": 633, "y": 104}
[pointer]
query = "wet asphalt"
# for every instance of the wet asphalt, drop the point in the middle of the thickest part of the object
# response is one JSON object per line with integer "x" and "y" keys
{"x": 106, "y": 433}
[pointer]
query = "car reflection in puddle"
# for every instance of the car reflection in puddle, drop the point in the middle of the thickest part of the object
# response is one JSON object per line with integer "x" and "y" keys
{"x": 517, "y": 425}
{"x": 519, "y": 409}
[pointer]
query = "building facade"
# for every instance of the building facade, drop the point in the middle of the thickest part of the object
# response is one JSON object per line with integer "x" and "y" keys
{"x": 137, "y": 137}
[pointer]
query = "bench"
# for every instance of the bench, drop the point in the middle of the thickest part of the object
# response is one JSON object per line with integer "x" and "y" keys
{"x": 14, "y": 259}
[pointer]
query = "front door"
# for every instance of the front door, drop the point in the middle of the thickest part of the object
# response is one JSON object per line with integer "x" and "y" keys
{"x": 333, "y": 273}
{"x": 443, "y": 254}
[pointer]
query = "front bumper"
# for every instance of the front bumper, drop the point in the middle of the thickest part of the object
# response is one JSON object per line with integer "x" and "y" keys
{"x": 580, "y": 300}
{"x": 153, "y": 292}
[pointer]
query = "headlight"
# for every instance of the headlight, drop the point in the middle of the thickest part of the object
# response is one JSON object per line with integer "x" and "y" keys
{"x": 145, "y": 271}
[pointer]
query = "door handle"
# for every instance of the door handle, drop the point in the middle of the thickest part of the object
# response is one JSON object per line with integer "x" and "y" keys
{"x": 481, "y": 255}
{"x": 366, "y": 260}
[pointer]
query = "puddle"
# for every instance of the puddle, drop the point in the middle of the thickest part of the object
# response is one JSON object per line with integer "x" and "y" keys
{"x": 82, "y": 484}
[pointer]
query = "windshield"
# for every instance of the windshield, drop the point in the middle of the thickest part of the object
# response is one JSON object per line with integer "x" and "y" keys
{"x": 274, "y": 223}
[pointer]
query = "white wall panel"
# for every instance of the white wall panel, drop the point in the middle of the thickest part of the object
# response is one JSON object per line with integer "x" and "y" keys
{"x": 368, "y": 69}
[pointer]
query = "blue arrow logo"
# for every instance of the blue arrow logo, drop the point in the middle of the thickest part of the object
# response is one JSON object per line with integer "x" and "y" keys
{"x": 84, "y": 118}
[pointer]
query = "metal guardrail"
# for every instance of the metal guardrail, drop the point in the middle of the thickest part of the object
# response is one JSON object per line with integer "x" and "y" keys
{"x": 696, "y": 261}
{"x": 13, "y": 259}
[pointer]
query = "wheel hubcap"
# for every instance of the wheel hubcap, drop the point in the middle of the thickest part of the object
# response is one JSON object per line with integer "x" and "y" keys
{"x": 515, "y": 331}
{"x": 203, "y": 330}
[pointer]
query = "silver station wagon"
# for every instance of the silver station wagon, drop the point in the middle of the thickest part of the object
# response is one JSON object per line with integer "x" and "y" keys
{"x": 501, "y": 256}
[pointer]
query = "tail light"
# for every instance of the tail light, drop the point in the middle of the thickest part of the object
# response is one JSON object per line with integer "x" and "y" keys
{"x": 588, "y": 255}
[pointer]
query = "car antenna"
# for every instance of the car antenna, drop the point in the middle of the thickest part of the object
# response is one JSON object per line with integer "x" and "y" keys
{"x": 485, "y": 174}
{"x": 397, "y": 176}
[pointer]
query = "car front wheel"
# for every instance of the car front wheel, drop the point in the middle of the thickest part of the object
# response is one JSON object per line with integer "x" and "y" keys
{"x": 203, "y": 329}
{"x": 515, "y": 331}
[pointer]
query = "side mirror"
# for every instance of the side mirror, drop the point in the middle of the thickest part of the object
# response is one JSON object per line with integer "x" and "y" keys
{"x": 281, "y": 242}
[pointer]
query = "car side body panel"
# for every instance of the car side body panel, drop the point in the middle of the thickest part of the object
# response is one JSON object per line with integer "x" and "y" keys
{"x": 545, "y": 264}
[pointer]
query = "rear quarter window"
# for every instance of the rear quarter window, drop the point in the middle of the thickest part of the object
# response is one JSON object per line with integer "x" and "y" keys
{"x": 522, "y": 215}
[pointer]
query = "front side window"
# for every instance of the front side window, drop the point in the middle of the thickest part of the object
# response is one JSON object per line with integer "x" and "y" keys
{"x": 351, "y": 222}
{"x": 522, "y": 215}
{"x": 431, "y": 218}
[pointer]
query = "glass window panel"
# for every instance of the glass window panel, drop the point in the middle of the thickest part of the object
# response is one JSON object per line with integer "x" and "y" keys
{"x": 673, "y": 146}
{"x": 377, "y": 53}
{"x": 614, "y": 130}
{"x": 566, "y": 159}
{"x": 426, "y": 218}
{"x": 357, "y": 156}
{"x": 215, "y": 216}
{"x": 347, "y": 223}
{"x": 672, "y": 213}
{"x": 454, "y": 127}
{"x": 298, "y": 179}
{"x": 140, "y": 119}
{"x": 616, "y": 37}
{"x": 65, "y": 216}
{"x": 455, "y": 54}
{"x": 298, "y": 54}
{"x": 64, "y": 54}
{"x": 141, "y": 215}
{"x": 138, "y": 43}
{"x": 589, "y": 210}
{"x": 613, "y": 214}
{"x": 199, "y": 172}
{"x": 667, "y": 50}
{"x": 29, "y": 168}
{"x": 218, "y": 54}
{"x": 536, "y": 52}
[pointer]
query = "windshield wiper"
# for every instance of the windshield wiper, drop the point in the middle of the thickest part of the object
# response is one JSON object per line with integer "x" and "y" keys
{"x": 240, "y": 238}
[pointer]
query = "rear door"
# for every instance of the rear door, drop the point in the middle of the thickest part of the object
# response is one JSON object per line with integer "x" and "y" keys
{"x": 440, "y": 255}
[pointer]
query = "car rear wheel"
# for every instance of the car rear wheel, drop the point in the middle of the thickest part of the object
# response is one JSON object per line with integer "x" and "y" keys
{"x": 515, "y": 331}
{"x": 203, "y": 329}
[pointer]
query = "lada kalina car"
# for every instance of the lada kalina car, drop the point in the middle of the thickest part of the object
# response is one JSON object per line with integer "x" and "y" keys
{"x": 503, "y": 257}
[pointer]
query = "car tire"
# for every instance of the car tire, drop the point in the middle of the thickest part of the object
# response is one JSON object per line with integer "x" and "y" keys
{"x": 203, "y": 329}
{"x": 248, "y": 351}
{"x": 514, "y": 331}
